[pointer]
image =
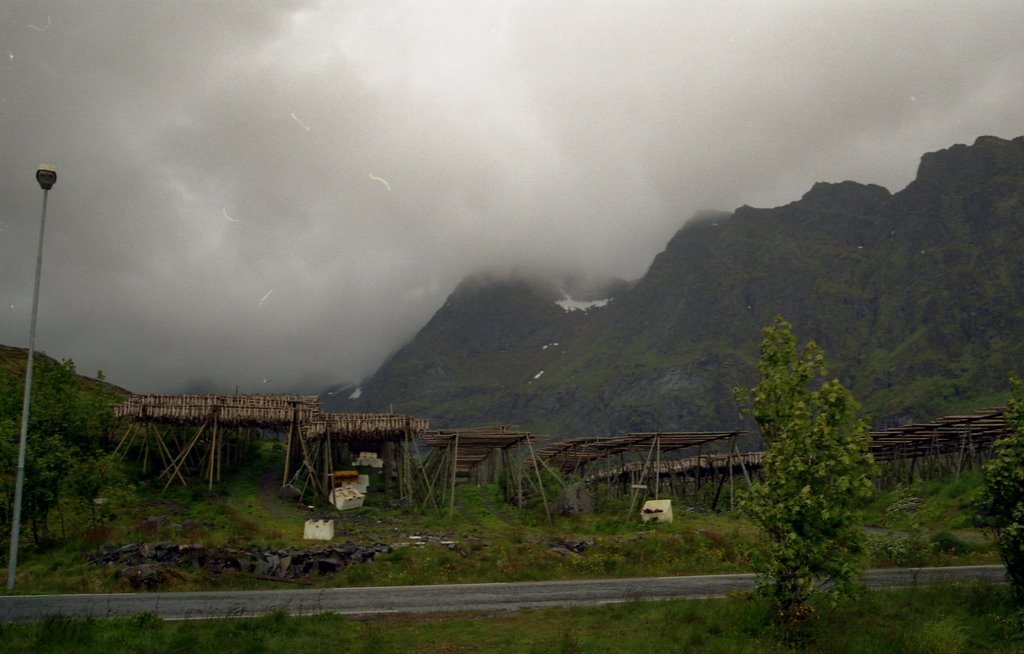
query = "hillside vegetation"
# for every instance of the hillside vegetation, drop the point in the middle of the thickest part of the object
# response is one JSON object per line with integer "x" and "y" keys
{"x": 70, "y": 423}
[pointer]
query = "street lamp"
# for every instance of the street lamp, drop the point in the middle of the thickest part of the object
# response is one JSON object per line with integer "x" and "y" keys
{"x": 47, "y": 177}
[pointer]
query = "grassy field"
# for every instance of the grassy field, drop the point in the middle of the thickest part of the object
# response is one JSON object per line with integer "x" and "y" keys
{"x": 951, "y": 620}
{"x": 928, "y": 523}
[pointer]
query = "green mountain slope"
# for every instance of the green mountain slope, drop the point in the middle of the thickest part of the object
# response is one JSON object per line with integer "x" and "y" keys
{"x": 917, "y": 298}
{"x": 12, "y": 370}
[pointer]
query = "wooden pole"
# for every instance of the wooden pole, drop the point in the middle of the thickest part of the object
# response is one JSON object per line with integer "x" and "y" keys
{"x": 635, "y": 492}
{"x": 310, "y": 467}
{"x": 657, "y": 466}
{"x": 429, "y": 487}
{"x": 455, "y": 458}
{"x": 126, "y": 440}
{"x": 732, "y": 448}
{"x": 739, "y": 458}
{"x": 179, "y": 461}
{"x": 288, "y": 452}
{"x": 540, "y": 481}
{"x": 212, "y": 451}
{"x": 220, "y": 450}
{"x": 519, "y": 482}
{"x": 700, "y": 451}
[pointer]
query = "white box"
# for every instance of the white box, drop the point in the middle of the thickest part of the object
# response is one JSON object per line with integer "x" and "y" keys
{"x": 319, "y": 530}
{"x": 656, "y": 510}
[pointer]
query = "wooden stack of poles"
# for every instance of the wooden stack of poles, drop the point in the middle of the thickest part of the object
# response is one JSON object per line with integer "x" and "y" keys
{"x": 481, "y": 455}
{"x": 332, "y": 440}
{"x": 188, "y": 435}
{"x": 262, "y": 411}
{"x": 699, "y": 478}
{"x": 196, "y": 433}
{"x": 643, "y": 464}
{"x": 947, "y": 445}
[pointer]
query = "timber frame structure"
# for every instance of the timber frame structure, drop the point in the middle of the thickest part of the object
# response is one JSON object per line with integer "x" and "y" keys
{"x": 944, "y": 445}
{"x": 637, "y": 462}
{"x": 219, "y": 424}
{"x": 330, "y": 440}
{"x": 191, "y": 436}
{"x": 481, "y": 455}
{"x": 195, "y": 433}
{"x": 643, "y": 464}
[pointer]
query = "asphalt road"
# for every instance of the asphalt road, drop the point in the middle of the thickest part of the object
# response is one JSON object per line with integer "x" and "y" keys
{"x": 423, "y": 599}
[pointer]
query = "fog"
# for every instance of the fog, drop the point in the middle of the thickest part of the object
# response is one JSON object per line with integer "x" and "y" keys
{"x": 274, "y": 196}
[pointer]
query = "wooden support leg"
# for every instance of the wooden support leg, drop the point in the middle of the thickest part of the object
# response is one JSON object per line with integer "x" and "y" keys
{"x": 455, "y": 458}
{"x": 540, "y": 481}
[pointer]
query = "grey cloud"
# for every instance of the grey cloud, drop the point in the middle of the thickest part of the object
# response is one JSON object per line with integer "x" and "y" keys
{"x": 212, "y": 152}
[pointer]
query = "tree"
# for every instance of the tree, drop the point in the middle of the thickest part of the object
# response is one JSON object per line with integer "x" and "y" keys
{"x": 1002, "y": 499}
{"x": 68, "y": 424}
{"x": 816, "y": 470}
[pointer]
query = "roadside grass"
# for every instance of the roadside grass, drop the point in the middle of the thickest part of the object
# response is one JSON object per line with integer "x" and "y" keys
{"x": 928, "y": 522}
{"x": 933, "y": 620}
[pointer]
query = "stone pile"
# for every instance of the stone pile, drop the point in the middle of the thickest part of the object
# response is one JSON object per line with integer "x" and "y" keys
{"x": 569, "y": 546}
{"x": 147, "y": 566}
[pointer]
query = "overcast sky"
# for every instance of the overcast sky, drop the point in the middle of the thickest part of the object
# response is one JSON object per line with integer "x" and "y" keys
{"x": 287, "y": 191}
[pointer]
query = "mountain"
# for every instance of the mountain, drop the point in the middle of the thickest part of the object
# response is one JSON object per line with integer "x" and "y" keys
{"x": 916, "y": 297}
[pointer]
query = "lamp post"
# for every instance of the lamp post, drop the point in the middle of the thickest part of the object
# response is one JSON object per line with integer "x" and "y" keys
{"x": 47, "y": 177}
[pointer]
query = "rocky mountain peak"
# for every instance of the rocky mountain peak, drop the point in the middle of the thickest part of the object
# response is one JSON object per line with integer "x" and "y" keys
{"x": 916, "y": 297}
{"x": 990, "y": 157}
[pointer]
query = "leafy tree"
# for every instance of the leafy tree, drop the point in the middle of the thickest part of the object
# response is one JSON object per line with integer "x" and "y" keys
{"x": 89, "y": 478}
{"x": 816, "y": 470}
{"x": 47, "y": 462}
{"x": 67, "y": 427}
{"x": 1002, "y": 499}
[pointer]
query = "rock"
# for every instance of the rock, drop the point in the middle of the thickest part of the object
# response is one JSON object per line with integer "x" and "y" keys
{"x": 575, "y": 499}
{"x": 146, "y": 565}
{"x": 141, "y": 577}
{"x": 578, "y": 546}
{"x": 165, "y": 551}
{"x": 571, "y": 546}
{"x": 329, "y": 564}
{"x": 347, "y": 550}
{"x": 153, "y": 523}
{"x": 268, "y": 565}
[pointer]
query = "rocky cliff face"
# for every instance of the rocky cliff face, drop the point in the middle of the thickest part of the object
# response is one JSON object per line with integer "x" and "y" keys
{"x": 917, "y": 298}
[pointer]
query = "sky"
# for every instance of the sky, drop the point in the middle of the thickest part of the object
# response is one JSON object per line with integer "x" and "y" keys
{"x": 275, "y": 196}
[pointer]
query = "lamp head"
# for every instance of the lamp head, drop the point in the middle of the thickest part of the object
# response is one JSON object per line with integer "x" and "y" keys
{"x": 46, "y": 176}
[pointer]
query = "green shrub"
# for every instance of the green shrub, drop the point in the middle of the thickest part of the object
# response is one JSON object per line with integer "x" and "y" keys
{"x": 904, "y": 551}
{"x": 1002, "y": 501}
{"x": 946, "y": 543}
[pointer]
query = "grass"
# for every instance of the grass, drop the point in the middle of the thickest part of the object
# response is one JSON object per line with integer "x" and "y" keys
{"x": 937, "y": 620}
{"x": 927, "y": 523}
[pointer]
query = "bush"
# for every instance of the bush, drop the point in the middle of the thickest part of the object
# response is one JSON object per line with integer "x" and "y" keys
{"x": 946, "y": 543}
{"x": 902, "y": 551}
{"x": 817, "y": 472}
{"x": 1001, "y": 507}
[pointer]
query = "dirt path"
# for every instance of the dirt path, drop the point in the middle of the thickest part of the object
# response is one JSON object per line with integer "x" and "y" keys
{"x": 495, "y": 509}
{"x": 270, "y": 486}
